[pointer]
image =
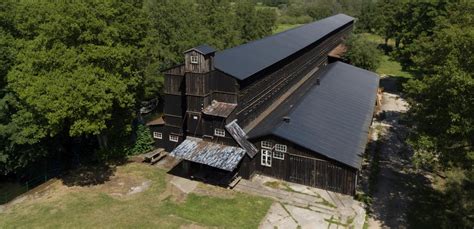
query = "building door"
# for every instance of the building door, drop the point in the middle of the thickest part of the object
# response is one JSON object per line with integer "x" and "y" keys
{"x": 320, "y": 173}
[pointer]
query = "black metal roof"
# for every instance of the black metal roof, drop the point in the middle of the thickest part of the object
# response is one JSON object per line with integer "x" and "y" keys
{"x": 332, "y": 118}
{"x": 203, "y": 49}
{"x": 247, "y": 59}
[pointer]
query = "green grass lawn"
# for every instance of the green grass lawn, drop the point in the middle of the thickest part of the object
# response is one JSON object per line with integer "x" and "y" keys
{"x": 391, "y": 67}
{"x": 377, "y": 39}
{"x": 90, "y": 207}
{"x": 388, "y": 65}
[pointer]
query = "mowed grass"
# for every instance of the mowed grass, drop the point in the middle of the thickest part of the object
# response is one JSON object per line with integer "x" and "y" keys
{"x": 391, "y": 67}
{"x": 91, "y": 208}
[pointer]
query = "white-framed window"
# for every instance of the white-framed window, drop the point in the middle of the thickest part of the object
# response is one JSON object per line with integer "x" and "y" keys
{"x": 174, "y": 138}
{"x": 280, "y": 151}
{"x": 280, "y": 148}
{"x": 194, "y": 60}
{"x": 266, "y": 158}
{"x": 267, "y": 145}
{"x": 157, "y": 135}
{"x": 279, "y": 155}
{"x": 219, "y": 132}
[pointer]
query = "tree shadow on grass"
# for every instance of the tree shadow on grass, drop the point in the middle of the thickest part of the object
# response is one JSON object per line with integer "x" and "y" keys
{"x": 403, "y": 196}
{"x": 92, "y": 174}
{"x": 427, "y": 210}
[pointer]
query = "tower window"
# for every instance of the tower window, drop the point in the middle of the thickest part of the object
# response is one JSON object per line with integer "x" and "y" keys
{"x": 194, "y": 60}
{"x": 219, "y": 132}
{"x": 157, "y": 135}
{"x": 174, "y": 138}
{"x": 267, "y": 145}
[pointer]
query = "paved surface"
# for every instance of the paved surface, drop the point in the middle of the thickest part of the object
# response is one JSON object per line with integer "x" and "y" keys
{"x": 390, "y": 200}
{"x": 183, "y": 184}
{"x": 299, "y": 206}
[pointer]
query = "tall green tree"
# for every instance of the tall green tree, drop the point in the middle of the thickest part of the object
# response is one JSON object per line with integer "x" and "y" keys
{"x": 252, "y": 23}
{"x": 219, "y": 19}
{"x": 175, "y": 26}
{"x": 442, "y": 104}
{"x": 76, "y": 72}
{"x": 362, "y": 53}
{"x": 246, "y": 17}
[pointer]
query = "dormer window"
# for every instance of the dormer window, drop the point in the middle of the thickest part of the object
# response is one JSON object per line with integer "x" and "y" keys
{"x": 219, "y": 132}
{"x": 194, "y": 60}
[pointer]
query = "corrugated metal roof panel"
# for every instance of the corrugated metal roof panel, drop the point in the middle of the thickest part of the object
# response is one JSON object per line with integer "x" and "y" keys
{"x": 240, "y": 137}
{"x": 219, "y": 109}
{"x": 332, "y": 118}
{"x": 208, "y": 153}
{"x": 247, "y": 59}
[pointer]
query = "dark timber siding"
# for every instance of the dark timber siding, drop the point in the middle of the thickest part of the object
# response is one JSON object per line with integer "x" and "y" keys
{"x": 303, "y": 167}
{"x": 204, "y": 62}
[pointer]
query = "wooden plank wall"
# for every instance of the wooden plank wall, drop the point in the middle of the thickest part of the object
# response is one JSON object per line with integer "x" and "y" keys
{"x": 204, "y": 63}
{"x": 304, "y": 167}
{"x": 197, "y": 84}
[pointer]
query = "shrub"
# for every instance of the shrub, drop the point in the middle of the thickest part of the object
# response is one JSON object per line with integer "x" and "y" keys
{"x": 144, "y": 141}
{"x": 362, "y": 53}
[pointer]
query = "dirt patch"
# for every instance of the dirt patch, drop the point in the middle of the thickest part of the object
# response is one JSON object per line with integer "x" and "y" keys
{"x": 121, "y": 185}
{"x": 167, "y": 163}
{"x": 115, "y": 184}
{"x": 215, "y": 191}
{"x": 89, "y": 175}
{"x": 172, "y": 192}
{"x": 193, "y": 226}
{"x": 176, "y": 195}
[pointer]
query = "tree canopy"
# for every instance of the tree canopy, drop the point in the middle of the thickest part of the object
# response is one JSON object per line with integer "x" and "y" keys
{"x": 362, "y": 53}
{"x": 79, "y": 69}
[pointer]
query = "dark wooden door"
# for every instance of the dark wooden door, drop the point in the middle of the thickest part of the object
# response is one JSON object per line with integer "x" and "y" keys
{"x": 319, "y": 173}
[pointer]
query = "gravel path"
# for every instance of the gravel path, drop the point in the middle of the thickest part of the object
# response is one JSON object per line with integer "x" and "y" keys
{"x": 390, "y": 199}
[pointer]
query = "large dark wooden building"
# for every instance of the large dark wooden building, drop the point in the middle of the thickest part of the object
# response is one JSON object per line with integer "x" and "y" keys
{"x": 274, "y": 106}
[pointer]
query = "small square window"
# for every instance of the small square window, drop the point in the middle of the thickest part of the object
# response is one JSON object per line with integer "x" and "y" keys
{"x": 266, "y": 158}
{"x": 279, "y": 155}
{"x": 267, "y": 145}
{"x": 194, "y": 60}
{"x": 174, "y": 138}
{"x": 157, "y": 135}
{"x": 280, "y": 148}
{"x": 219, "y": 132}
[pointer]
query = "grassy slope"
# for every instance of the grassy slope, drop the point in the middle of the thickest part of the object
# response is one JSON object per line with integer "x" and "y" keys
{"x": 91, "y": 208}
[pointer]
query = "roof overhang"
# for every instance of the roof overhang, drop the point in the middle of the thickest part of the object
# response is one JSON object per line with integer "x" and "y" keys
{"x": 208, "y": 153}
{"x": 219, "y": 109}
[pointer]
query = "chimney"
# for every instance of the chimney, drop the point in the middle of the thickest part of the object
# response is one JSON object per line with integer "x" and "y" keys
{"x": 286, "y": 119}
